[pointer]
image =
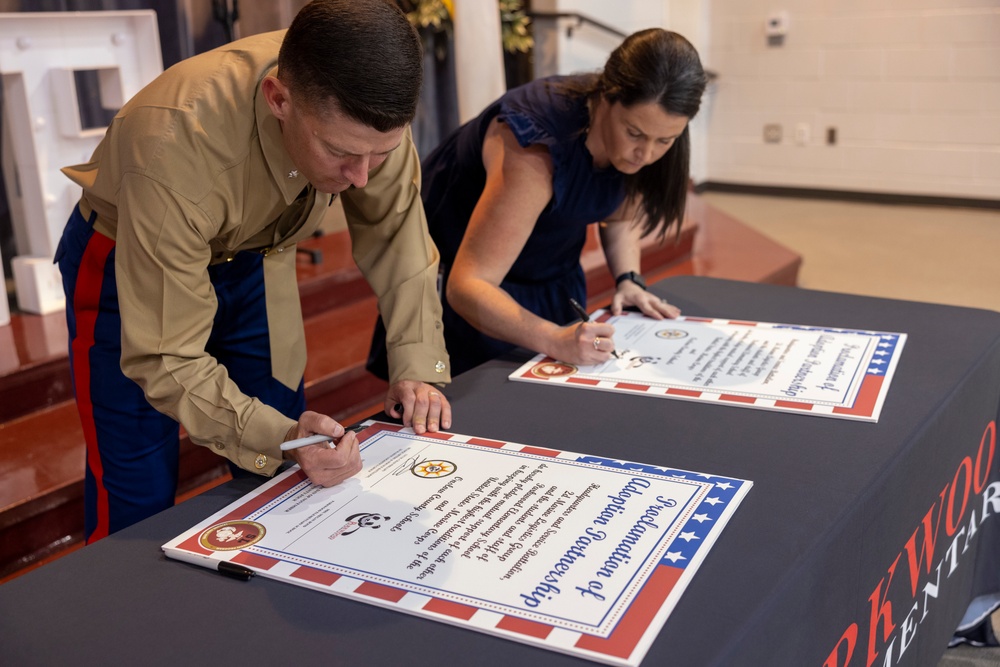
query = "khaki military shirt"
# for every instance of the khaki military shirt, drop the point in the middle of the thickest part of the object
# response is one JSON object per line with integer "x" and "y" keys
{"x": 191, "y": 171}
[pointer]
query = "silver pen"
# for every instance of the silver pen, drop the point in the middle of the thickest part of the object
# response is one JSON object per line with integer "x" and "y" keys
{"x": 303, "y": 442}
{"x": 317, "y": 439}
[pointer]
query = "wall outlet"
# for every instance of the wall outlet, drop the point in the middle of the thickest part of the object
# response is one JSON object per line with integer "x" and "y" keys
{"x": 802, "y": 134}
{"x": 772, "y": 133}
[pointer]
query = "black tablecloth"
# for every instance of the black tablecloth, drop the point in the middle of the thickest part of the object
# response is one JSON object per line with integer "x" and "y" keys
{"x": 858, "y": 542}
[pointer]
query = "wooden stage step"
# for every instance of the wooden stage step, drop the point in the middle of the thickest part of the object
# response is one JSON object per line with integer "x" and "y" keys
{"x": 41, "y": 442}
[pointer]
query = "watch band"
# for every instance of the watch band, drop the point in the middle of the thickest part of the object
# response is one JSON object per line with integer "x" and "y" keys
{"x": 633, "y": 276}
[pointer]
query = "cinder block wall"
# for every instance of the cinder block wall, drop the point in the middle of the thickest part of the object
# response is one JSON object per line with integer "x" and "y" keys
{"x": 911, "y": 89}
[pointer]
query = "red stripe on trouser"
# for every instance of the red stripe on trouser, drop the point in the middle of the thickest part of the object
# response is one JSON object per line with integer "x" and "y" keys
{"x": 86, "y": 306}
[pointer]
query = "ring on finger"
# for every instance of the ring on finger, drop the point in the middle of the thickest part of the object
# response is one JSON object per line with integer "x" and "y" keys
{"x": 597, "y": 342}
{"x": 433, "y": 393}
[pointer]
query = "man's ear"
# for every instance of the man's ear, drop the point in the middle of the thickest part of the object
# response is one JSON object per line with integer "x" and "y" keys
{"x": 277, "y": 97}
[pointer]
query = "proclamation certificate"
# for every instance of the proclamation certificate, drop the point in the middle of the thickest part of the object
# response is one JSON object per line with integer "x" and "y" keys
{"x": 572, "y": 553}
{"x": 842, "y": 373}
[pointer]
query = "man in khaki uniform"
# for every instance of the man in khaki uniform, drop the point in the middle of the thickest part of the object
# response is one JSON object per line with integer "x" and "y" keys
{"x": 179, "y": 261}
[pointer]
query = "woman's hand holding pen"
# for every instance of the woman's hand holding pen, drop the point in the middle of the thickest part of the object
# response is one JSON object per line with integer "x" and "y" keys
{"x": 583, "y": 343}
{"x": 593, "y": 341}
{"x": 324, "y": 464}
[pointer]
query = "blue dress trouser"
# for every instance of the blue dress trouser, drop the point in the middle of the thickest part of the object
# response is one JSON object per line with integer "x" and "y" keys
{"x": 132, "y": 449}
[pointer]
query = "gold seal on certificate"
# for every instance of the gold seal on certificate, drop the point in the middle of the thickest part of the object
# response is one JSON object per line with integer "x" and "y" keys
{"x": 232, "y": 535}
{"x": 550, "y": 368}
{"x": 434, "y": 469}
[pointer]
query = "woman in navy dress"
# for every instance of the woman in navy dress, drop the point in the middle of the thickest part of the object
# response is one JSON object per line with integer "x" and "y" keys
{"x": 509, "y": 196}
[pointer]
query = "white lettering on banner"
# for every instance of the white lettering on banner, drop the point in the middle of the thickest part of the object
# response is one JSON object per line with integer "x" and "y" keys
{"x": 966, "y": 492}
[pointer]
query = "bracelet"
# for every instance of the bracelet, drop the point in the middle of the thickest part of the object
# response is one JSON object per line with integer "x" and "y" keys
{"x": 633, "y": 276}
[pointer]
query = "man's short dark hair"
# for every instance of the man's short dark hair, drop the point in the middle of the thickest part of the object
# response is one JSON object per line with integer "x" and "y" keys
{"x": 362, "y": 56}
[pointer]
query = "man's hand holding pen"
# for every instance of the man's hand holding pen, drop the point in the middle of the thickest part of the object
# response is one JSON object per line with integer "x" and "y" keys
{"x": 324, "y": 464}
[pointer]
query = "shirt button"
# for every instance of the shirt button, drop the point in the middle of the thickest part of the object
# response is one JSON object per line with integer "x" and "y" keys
{"x": 281, "y": 250}
{"x": 260, "y": 461}
{"x": 220, "y": 446}
{"x": 439, "y": 367}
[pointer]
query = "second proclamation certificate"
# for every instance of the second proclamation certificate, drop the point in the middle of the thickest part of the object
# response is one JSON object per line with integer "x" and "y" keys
{"x": 844, "y": 373}
{"x": 574, "y": 553}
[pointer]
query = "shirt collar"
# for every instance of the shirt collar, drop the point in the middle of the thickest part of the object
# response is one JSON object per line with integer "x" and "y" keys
{"x": 284, "y": 173}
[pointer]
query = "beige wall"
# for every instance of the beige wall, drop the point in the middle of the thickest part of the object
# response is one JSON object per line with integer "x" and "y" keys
{"x": 911, "y": 86}
{"x": 257, "y": 17}
{"x": 254, "y": 17}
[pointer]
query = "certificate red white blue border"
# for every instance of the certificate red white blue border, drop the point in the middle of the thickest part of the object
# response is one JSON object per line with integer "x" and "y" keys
{"x": 657, "y": 591}
{"x": 864, "y": 404}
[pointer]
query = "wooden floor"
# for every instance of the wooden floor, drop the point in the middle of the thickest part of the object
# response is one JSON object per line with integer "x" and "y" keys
{"x": 41, "y": 441}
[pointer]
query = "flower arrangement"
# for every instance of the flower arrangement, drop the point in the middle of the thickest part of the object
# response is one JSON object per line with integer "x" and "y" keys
{"x": 436, "y": 15}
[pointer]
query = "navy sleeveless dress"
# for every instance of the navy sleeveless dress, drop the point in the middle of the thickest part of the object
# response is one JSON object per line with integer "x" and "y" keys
{"x": 547, "y": 273}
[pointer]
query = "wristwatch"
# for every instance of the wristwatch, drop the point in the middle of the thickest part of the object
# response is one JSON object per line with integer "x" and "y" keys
{"x": 633, "y": 276}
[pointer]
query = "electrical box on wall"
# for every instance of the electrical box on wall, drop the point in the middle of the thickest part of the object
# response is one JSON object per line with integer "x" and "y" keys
{"x": 802, "y": 133}
{"x": 776, "y": 27}
{"x": 776, "y": 24}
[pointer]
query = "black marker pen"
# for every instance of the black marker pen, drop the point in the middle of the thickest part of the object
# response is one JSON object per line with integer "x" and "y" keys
{"x": 236, "y": 571}
{"x": 232, "y": 570}
{"x": 579, "y": 309}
